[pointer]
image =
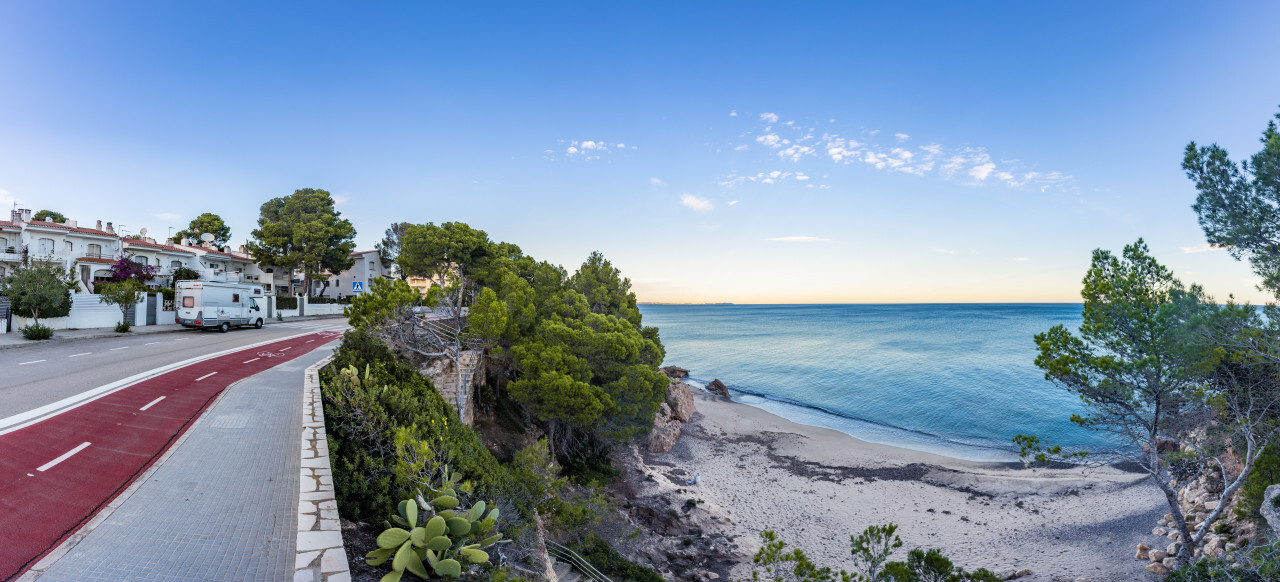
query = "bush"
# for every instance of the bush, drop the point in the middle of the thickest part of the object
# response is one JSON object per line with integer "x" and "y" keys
{"x": 36, "y": 331}
{"x": 369, "y": 396}
{"x": 123, "y": 327}
{"x": 1266, "y": 471}
{"x": 166, "y": 293}
{"x": 286, "y": 302}
{"x": 612, "y": 564}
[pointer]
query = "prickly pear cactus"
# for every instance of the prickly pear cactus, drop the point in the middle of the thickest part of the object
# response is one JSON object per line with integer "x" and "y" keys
{"x": 437, "y": 537}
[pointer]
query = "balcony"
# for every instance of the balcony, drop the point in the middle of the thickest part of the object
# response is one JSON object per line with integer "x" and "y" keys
{"x": 10, "y": 255}
{"x": 98, "y": 255}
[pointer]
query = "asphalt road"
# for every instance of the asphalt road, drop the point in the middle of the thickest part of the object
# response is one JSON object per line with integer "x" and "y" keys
{"x": 31, "y": 377}
{"x": 58, "y": 468}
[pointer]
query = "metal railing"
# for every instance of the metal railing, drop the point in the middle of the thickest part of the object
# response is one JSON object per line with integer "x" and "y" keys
{"x": 581, "y": 565}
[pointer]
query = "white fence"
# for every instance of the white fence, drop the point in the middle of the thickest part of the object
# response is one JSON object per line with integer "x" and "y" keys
{"x": 88, "y": 311}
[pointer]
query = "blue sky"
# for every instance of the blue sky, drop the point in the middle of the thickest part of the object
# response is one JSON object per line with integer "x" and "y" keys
{"x": 746, "y": 152}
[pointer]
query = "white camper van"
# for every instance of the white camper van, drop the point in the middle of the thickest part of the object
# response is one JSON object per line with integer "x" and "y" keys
{"x": 214, "y": 304}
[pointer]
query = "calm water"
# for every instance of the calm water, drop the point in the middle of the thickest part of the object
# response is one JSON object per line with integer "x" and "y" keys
{"x": 952, "y": 379}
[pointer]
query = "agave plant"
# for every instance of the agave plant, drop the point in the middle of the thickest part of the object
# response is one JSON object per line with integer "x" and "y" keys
{"x": 440, "y": 535}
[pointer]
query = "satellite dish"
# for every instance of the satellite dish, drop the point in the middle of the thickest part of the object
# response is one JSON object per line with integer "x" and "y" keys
{"x": 142, "y": 231}
{"x": 206, "y": 237}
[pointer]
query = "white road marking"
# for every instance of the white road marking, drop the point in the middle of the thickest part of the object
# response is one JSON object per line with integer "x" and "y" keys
{"x": 253, "y": 360}
{"x": 182, "y": 339}
{"x": 205, "y": 376}
{"x": 31, "y": 362}
{"x": 152, "y": 403}
{"x": 65, "y": 456}
{"x": 150, "y": 344}
{"x": 78, "y": 355}
{"x": 309, "y": 341}
{"x": 281, "y": 349}
{"x": 114, "y": 349}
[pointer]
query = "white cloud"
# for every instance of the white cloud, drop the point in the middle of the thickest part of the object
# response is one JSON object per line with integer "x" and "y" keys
{"x": 770, "y": 139}
{"x": 622, "y": 145}
{"x": 572, "y": 150}
{"x": 800, "y": 239}
{"x": 696, "y": 204}
{"x": 170, "y": 216}
{"x": 801, "y": 176}
{"x": 901, "y": 137}
{"x": 7, "y": 201}
{"x": 741, "y": 147}
{"x": 1021, "y": 259}
{"x": 932, "y": 148}
{"x": 339, "y": 200}
{"x": 946, "y": 251}
{"x": 656, "y": 181}
{"x": 733, "y": 113}
{"x": 733, "y": 202}
{"x": 769, "y": 117}
{"x": 981, "y": 171}
{"x": 1201, "y": 248}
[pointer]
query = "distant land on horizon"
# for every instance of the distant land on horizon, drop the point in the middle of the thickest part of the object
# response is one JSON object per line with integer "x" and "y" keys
{"x": 874, "y": 303}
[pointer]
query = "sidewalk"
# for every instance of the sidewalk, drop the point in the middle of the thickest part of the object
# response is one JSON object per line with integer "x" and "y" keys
{"x": 14, "y": 338}
{"x": 222, "y": 506}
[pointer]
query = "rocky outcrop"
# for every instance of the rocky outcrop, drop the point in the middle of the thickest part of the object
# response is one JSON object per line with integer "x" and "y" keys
{"x": 1269, "y": 510}
{"x": 680, "y": 399}
{"x": 674, "y": 372}
{"x": 718, "y": 388}
{"x": 666, "y": 430}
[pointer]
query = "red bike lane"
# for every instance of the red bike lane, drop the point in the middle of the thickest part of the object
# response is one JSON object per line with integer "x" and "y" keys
{"x": 58, "y": 473}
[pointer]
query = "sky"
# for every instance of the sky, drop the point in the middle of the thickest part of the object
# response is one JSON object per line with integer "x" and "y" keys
{"x": 740, "y": 152}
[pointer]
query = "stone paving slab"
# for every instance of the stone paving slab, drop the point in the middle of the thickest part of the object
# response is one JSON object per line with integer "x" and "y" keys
{"x": 224, "y": 506}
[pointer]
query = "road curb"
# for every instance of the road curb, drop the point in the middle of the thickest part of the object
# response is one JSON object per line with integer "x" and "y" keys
{"x": 320, "y": 555}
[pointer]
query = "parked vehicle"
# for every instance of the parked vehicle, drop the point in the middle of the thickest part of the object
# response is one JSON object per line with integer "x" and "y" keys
{"x": 214, "y": 304}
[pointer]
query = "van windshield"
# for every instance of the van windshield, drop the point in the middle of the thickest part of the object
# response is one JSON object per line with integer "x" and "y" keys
{"x": 253, "y": 304}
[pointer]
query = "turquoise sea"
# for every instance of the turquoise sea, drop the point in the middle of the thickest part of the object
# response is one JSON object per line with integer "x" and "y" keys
{"x": 954, "y": 379}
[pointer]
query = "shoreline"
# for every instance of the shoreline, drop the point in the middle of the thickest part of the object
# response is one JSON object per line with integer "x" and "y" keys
{"x": 816, "y": 486}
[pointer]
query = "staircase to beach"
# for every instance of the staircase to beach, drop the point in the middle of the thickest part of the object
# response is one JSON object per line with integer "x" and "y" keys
{"x": 462, "y": 394}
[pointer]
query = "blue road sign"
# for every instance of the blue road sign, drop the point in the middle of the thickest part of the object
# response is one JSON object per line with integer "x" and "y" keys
{"x": 357, "y": 286}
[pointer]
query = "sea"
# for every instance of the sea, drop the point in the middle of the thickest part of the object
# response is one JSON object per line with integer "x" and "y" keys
{"x": 954, "y": 379}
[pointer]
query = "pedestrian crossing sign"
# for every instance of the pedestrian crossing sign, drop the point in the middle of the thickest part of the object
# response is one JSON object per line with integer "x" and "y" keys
{"x": 357, "y": 286}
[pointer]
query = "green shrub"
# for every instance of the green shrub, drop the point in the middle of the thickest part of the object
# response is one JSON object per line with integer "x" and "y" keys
{"x": 123, "y": 327}
{"x": 286, "y": 302}
{"x": 369, "y": 397}
{"x": 612, "y": 564}
{"x": 442, "y": 534}
{"x": 36, "y": 331}
{"x": 1266, "y": 471}
{"x": 165, "y": 293}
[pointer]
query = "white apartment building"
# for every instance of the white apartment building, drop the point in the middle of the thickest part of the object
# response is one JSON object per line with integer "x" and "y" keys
{"x": 366, "y": 270}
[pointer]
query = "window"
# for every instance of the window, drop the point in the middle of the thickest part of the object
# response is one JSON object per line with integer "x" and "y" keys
{"x": 45, "y": 246}
{"x": 4, "y": 243}
{"x": 188, "y": 302}
{"x": 1, "y": 271}
{"x": 175, "y": 264}
{"x": 94, "y": 250}
{"x": 373, "y": 266}
{"x": 68, "y": 247}
{"x": 235, "y": 297}
{"x": 141, "y": 260}
{"x": 253, "y": 304}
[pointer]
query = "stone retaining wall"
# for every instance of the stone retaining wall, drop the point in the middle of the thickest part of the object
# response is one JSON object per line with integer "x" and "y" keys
{"x": 320, "y": 554}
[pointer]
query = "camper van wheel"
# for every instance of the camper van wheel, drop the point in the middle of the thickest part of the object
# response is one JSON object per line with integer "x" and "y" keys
{"x": 224, "y": 327}
{"x": 257, "y": 324}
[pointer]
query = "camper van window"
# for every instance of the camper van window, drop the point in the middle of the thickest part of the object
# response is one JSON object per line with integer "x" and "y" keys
{"x": 188, "y": 302}
{"x": 253, "y": 304}
{"x": 235, "y": 297}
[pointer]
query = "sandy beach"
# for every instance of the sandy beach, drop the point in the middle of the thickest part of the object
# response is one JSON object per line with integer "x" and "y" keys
{"x": 816, "y": 487}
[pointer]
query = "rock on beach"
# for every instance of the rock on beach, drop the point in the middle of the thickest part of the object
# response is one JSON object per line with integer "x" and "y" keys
{"x": 718, "y": 388}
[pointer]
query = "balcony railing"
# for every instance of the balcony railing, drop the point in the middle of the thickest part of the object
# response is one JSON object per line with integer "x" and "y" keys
{"x": 97, "y": 255}
{"x": 11, "y": 254}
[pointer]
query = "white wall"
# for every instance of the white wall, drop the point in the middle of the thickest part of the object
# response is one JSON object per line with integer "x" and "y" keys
{"x": 87, "y": 310}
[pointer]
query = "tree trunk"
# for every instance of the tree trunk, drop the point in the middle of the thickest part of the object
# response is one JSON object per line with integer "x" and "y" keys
{"x": 1171, "y": 496}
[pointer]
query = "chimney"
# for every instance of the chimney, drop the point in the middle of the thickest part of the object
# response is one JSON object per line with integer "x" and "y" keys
{"x": 98, "y": 226}
{"x": 15, "y": 216}
{"x": 168, "y": 242}
{"x": 26, "y": 215}
{"x": 242, "y": 249}
{"x": 71, "y": 223}
{"x": 110, "y": 229}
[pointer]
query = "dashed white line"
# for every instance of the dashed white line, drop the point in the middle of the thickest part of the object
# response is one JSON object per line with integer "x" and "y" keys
{"x": 31, "y": 362}
{"x": 205, "y": 376}
{"x": 283, "y": 349}
{"x": 182, "y": 339}
{"x": 152, "y": 403}
{"x": 114, "y": 349}
{"x": 150, "y": 343}
{"x": 309, "y": 341}
{"x": 253, "y": 360}
{"x": 65, "y": 456}
{"x": 78, "y": 355}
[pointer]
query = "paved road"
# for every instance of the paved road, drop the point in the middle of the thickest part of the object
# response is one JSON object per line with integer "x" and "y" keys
{"x": 58, "y": 468}
{"x": 42, "y": 374}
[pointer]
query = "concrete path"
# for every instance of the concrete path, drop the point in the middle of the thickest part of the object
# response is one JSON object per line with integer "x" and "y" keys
{"x": 14, "y": 338}
{"x": 221, "y": 506}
